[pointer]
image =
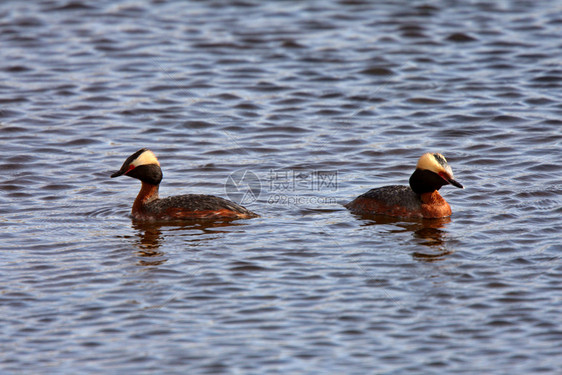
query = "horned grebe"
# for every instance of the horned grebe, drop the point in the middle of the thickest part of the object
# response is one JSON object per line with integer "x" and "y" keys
{"x": 144, "y": 166}
{"x": 420, "y": 199}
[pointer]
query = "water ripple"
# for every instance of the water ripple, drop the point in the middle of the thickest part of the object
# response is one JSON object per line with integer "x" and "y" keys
{"x": 352, "y": 89}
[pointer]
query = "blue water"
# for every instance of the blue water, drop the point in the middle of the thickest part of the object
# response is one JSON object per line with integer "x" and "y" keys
{"x": 293, "y": 108}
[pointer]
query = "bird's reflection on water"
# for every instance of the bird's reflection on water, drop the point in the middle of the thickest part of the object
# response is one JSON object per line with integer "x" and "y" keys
{"x": 151, "y": 235}
{"x": 428, "y": 233}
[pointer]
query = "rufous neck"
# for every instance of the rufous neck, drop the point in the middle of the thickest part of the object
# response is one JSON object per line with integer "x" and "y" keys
{"x": 147, "y": 193}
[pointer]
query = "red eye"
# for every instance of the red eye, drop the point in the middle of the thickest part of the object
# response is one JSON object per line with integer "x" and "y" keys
{"x": 131, "y": 167}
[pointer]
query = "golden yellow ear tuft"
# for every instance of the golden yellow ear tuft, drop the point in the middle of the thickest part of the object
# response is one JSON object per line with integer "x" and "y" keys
{"x": 433, "y": 161}
{"x": 145, "y": 158}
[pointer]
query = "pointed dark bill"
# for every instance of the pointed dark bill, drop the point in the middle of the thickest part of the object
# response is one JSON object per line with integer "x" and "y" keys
{"x": 455, "y": 183}
{"x": 117, "y": 174}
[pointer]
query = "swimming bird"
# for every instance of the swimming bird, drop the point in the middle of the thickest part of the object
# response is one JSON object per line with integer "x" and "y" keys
{"x": 419, "y": 200}
{"x": 144, "y": 166}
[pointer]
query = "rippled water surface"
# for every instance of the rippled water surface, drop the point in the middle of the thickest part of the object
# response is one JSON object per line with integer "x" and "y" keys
{"x": 307, "y": 104}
